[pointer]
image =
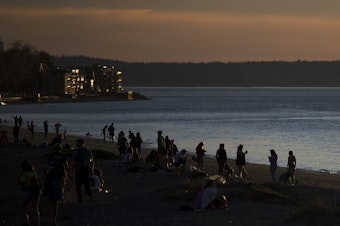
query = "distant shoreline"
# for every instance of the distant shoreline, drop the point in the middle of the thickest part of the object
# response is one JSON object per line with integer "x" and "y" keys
{"x": 68, "y": 99}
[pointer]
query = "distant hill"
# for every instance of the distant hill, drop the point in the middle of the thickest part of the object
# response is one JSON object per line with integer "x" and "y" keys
{"x": 234, "y": 74}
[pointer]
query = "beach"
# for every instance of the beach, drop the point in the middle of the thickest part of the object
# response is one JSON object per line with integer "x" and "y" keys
{"x": 154, "y": 197}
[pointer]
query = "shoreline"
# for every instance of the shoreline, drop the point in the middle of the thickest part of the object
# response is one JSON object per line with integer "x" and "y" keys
{"x": 111, "y": 147}
{"x": 148, "y": 197}
{"x": 97, "y": 142}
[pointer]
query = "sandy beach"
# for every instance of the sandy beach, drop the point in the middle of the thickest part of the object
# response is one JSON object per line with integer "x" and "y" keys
{"x": 154, "y": 197}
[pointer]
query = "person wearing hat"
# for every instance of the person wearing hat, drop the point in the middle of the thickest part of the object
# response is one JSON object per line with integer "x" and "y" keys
{"x": 83, "y": 168}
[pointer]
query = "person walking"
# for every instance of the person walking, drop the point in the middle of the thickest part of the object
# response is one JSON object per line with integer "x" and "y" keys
{"x": 221, "y": 157}
{"x": 240, "y": 162}
{"x": 82, "y": 167}
{"x": 273, "y": 164}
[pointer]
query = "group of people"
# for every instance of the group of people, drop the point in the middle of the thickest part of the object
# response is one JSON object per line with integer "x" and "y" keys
{"x": 130, "y": 149}
{"x": 221, "y": 157}
{"x": 31, "y": 128}
{"x": 108, "y": 132}
{"x": 57, "y": 172}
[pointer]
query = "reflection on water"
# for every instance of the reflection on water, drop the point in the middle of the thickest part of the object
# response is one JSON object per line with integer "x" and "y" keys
{"x": 303, "y": 120}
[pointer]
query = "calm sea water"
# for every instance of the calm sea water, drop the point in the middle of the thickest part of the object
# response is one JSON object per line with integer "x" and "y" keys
{"x": 305, "y": 120}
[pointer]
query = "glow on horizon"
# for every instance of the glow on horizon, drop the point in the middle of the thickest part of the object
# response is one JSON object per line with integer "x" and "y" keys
{"x": 147, "y": 35}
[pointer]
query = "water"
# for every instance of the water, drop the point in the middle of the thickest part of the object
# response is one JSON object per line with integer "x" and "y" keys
{"x": 305, "y": 120}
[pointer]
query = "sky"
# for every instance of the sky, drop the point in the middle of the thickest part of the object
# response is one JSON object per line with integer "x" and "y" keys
{"x": 176, "y": 31}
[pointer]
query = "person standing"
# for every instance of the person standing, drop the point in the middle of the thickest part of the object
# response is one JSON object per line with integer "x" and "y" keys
{"x": 160, "y": 142}
{"x": 221, "y": 157}
{"x": 111, "y": 131}
{"x": 16, "y": 131}
{"x": 31, "y": 185}
{"x": 46, "y": 128}
{"x": 292, "y": 166}
{"x": 104, "y": 132}
{"x": 122, "y": 144}
{"x": 82, "y": 167}
{"x": 273, "y": 164}
{"x": 241, "y": 161}
{"x": 138, "y": 144}
{"x": 57, "y": 127}
{"x": 200, "y": 154}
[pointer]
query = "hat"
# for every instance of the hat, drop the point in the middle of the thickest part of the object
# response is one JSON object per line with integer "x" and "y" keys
{"x": 58, "y": 146}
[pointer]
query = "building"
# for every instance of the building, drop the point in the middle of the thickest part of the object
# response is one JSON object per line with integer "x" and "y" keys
{"x": 96, "y": 80}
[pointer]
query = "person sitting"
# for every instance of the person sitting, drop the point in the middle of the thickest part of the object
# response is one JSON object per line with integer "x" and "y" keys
{"x": 97, "y": 181}
{"x": 209, "y": 196}
{"x": 181, "y": 159}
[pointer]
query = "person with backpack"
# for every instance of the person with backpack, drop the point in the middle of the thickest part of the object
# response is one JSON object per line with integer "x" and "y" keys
{"x": 83, "y": 168}
{"x": 31, "y": 185}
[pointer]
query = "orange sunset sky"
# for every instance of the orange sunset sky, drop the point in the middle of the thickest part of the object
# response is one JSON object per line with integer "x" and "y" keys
{"x": 177, "y": 31}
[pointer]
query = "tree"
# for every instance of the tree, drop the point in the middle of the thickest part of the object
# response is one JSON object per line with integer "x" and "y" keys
{"x": 22, "y": 63}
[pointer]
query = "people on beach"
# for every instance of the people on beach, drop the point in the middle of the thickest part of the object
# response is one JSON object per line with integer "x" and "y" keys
{"x": 291, "y": 167}
{"x": 104, "y": 132}
{"x": 180, "y": 159}
{"x": 168, "y": 145}
{"x": 57, "y": 127}
{"x": 56, "y": 178}
{"x": 273, "y": 164}
{"x": 45, "y": 128}
{"x": 31, "y": 185}
{"x": 82, "y": 168}
{"x": 16, "y": 131}
{"x": 111, "y": 132}
{"x": 160, "y": 142}
{"x": 240, "y": 162}
{"x": 122, "y": 144}
{"x": 209, "y": 198}
{"x": 138, "y": 144}
{"x": 221, "y": 157}
{"x": 173, "y": 151}
{"x": 20, "y": 121}
{"x": 200, "y": 152}
{"x": 97, "y": 181}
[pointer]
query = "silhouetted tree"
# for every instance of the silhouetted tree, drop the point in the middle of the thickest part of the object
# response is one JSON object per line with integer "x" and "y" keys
{"x": 22, "y": 64}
